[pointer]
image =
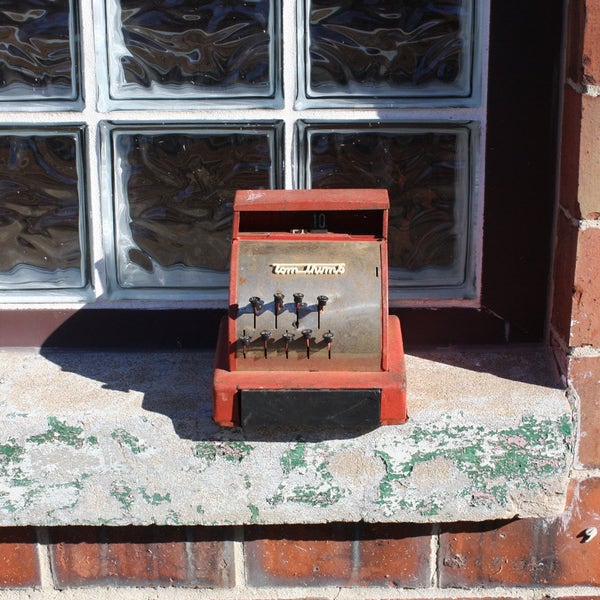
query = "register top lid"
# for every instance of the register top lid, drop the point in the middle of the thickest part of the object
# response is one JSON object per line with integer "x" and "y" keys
{"x": 310, "y": 200}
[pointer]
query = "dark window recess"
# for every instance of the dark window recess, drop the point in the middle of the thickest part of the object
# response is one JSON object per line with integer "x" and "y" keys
{"x": 521, "y": 146}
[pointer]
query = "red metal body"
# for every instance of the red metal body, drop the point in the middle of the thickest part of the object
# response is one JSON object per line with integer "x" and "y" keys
{"x": 308, "y": 305}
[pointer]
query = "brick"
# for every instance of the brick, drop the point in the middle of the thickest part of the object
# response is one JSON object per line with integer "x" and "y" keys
{"x": 565, "y": 256}
{"x": 584, "y": 375}
{"x": 339, "y": 554}
{"x": 591, "y": 43}
{"x": 298, "y": 555}
{"x": 580, "y": 155}
{"x": 583, "y": 42}
{"x": 141, "y": 556}
{"x": 576, "y": 286}
{"x": 589, "y": 156}
{"x": 570, "y": 144}
{"x": 528, "y": 552}
{"x": 575, "y": 36}
{"x": 19, "y": 566}
{"x": 585, "y": 330}
{"x": 389, "y": 555}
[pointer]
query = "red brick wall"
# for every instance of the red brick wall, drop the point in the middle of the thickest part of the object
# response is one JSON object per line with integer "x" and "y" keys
{"x": 575, "y": 321}
{"x": 520, "y": 554}
{"x": 528, "y": 553}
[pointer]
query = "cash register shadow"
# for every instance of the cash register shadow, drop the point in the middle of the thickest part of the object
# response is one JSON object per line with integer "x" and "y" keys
{"x": 171, "y": 372}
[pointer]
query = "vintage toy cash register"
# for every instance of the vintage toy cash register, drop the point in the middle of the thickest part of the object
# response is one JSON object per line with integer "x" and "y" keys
{"x": 308, "y": 341}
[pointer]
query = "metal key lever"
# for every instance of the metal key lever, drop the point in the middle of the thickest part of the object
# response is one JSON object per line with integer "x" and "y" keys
{"x": 298, "y": 297}
{"x": 288, "y": 337}
{"x": 245, "y": 341}
{"x": 265, "y": 335}
{"x": 278, "y": 304}
{"x": 256, "y": 304}
{"x": 328, "y": 337}
{"x": 321, "y": 302}
{"x": 307, "y": 334}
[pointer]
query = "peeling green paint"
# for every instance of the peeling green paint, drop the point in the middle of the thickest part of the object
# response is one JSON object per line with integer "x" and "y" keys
{"x": 311, "y": 462}
{"x": 155, "y": 498}
{"x": 205, "y": 451}
{"x": 126, "y": 496}
{"x": 393, "y": 473}
{"x": 126, "y": 439}
{"x": 11, "y": 452}
{"x": 323, "y": 471}
{"x": 253, "y": 512}
{"x": 492, "y": 460}
{"x": 172, "y": 518}
{"x": 567, "y": 427}
{"x": 75, "y": 485}
{"x": 19, "y": 479}
{"x": 233, "y": 451}
{"x": 308, "y": 494}
{"x": 294, "y": 458}
{"x": 123, "y": 494}
{"x": 7, "y": 505}
{"x": 11, "y": 456}
{"x": 59, "y": 431}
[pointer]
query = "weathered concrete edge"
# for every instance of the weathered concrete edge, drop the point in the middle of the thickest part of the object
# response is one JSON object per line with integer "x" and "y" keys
{"x": 99, "y": 439}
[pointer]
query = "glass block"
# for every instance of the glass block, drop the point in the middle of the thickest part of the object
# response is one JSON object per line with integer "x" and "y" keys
{"x": 173, "y": 201}
{"x": 192, "y": 49}
{"x": 388, "y": 50}
{"x": 42, "y": 216}
{"x": 38, "y": 50}
{"x": 426, "y": 171}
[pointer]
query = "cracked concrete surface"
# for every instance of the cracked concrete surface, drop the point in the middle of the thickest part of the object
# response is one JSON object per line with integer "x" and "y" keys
{"x": 126, "y": 438}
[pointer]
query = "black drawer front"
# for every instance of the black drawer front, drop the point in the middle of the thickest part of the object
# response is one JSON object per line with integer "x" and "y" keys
{"x": 310, "y": 409}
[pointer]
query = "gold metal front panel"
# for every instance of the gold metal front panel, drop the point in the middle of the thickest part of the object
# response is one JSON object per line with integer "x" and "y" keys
{"x": 347, "y": 273}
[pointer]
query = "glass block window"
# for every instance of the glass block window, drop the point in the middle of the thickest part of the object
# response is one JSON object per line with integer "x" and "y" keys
{"x": 191, "y": 49}
{"x": 172, "y": 206}
{"x": 118, "y": 178}
{"x": 42, "y": 210}
{"x": 374, "y": 51}
{"x": 38, "y": 50}
{"x": 426, "y": 170}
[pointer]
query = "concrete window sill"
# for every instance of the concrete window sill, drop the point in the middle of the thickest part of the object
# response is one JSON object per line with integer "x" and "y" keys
{"x": 127, "y": 438}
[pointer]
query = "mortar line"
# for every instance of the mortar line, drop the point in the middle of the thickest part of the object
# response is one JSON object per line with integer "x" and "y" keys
{"x": 434, "y": 580}
{"x": 44, "y": 559}
{"x": 299, "y": 593}
{"x": 239, "y": 562}
{"x": 581, "y": 224}
{"x": 584, "y": 473}
{"x": 356, "y": 553}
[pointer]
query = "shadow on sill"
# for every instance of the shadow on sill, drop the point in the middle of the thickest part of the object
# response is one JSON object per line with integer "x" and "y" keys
{"x": 526, "y": 363}
{"x": 177, "y": 383}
